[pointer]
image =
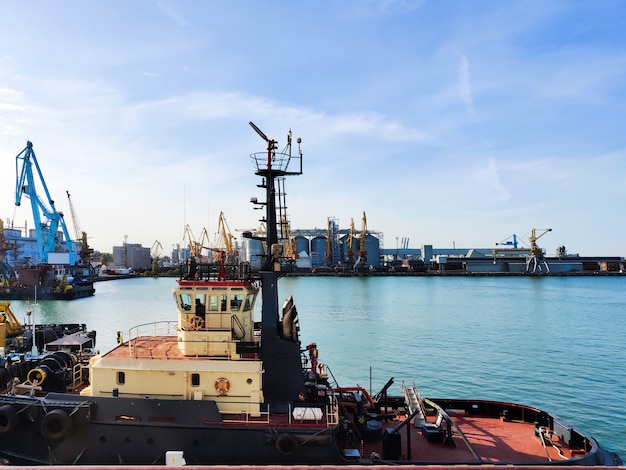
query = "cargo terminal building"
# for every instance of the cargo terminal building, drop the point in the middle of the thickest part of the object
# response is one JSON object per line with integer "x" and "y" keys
{"x": 315, "y": 253}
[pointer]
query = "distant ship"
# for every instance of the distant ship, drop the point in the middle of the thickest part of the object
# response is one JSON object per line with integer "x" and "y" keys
{"x": 46, "y": 282}
{"x": 214, "y": 386}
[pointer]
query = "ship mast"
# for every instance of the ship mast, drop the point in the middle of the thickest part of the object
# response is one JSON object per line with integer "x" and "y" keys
{"x": 283, "y": 380}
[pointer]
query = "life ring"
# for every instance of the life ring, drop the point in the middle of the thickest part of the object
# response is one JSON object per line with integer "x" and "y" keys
{"x": 8, "y": 418}
{"x": 56, "y": 425}
{"x": 222, "y": 385}
{"x": 286, "y": 444}
{"x": 197, "y": 323}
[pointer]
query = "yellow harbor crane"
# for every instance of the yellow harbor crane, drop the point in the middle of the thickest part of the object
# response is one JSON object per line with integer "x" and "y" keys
{"x": 350, "y": 244}
{"x": 225, "y": 241}
{"x": 85, "y": 251}
{"x": 195, "y": 246}
{"x": 7, "y": 275}
{"x": 361, "y": 262}
{"x": 534, "y": 249}
{"x": 288, "y": 239}
{"x": 9, "y": 324}
{"x": 328, "y": 255}
{"x": 155, "y": 253}
{"x": 536, "y": 262}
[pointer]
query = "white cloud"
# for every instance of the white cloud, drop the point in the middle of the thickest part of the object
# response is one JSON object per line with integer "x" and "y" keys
{"x": 464, "y": 86}
{"x": 151, "y": 117}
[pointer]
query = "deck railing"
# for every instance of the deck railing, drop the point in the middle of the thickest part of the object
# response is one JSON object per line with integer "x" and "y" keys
{"x": 140, "y": 336}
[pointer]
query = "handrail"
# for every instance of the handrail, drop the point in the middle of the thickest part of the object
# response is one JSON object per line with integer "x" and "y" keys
{"x": 451, "y": 421}
{"x": 159, "y": 329}
{"x": 235, "y": 320}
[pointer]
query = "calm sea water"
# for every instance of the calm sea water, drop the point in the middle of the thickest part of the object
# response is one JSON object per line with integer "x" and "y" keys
{"x": 553, "y": 342}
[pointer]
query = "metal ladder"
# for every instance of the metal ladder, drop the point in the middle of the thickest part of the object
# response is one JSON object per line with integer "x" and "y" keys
{"x": 415, "y": 403}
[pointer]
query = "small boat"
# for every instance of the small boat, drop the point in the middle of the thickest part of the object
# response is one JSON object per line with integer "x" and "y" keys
{"x": 215, "y": 386}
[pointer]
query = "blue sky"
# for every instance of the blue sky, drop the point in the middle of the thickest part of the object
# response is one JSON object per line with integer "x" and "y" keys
{"x": 451, "y": 123}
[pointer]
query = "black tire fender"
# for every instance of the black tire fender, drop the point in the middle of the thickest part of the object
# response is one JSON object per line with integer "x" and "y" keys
{"x": 286, "y": 444}
{"x": 8, "y": 418}
{"x": 56, "y": 425}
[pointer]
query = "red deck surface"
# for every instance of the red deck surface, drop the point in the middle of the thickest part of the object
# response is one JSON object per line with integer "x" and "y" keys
{"x": 149, "y": 347}
{"x": 494, "y": 440}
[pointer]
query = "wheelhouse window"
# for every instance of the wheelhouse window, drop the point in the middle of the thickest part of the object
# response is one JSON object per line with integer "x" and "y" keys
{"x": 195, "y": 380}
{"x": 249, "y": 300}
{"x": 235, "y": 302}
{"x": 121, "y": 378}
{"x": 200, "y": 304}
{"x": 185, "y": 301}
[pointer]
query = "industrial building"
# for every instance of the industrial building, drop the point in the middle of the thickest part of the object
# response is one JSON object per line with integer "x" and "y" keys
{"x": 133, "y": 256}
{"x": 316, "y": 251}
{"x": 24, "y": 247}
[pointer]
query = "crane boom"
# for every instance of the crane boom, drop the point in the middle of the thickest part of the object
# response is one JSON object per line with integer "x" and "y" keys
{"x": 77, "y": 230}
{"x": 46, "y": 231}
{"x": 225, "y": 236}
{"x": 81, "y": 237}
{"x": 195, "y": 248}
{"x": 362, "y": 251}
{"x": 350, "y": 252}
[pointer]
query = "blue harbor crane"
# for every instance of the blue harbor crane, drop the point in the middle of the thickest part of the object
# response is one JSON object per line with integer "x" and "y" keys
{"x": 509, "y": 242}
{"x": 46, "y": 231}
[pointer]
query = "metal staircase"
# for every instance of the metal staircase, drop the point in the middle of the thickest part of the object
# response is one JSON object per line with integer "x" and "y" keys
{"x": 415, "y": 403}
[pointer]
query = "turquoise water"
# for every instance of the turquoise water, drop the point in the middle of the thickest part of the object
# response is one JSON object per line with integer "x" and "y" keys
{"x": 554, "y": 342}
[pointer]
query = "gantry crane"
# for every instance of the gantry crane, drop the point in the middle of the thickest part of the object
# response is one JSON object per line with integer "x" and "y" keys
{"x": 536, "y": 262}
{"x": 46, "y": 231}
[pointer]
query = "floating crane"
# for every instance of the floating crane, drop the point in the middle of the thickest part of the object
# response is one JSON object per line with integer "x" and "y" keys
{"x": 46, "y": 231}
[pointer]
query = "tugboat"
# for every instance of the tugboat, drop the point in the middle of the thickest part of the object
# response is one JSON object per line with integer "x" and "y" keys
{"x": 217, "y": 387}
